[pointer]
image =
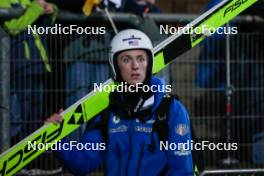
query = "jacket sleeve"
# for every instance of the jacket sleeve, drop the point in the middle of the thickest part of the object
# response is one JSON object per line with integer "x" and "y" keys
{"x": 31, "y": 14}
{"x": 82, "y": 161}
{"x": 180, "y": 159}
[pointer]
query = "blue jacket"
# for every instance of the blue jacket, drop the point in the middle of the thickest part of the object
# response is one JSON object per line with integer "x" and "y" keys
{"x": 127, "y": 150}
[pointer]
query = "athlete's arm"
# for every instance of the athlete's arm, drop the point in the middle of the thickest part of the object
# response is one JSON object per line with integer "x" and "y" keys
{"x": 179, "y": 161}
{"x": 84, "y": 158}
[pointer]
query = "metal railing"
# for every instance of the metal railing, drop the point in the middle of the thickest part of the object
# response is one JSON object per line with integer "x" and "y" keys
{"x": 4, "y": 91}
{"x": 66, "y": 16}
{"x": 253, "y": 172}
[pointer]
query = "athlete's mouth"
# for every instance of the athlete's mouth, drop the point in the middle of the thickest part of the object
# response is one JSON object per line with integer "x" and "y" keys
{"x": 135, "y": 75}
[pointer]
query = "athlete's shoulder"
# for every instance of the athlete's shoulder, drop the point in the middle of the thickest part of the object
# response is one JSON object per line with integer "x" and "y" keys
{"x": 178, "y": 111}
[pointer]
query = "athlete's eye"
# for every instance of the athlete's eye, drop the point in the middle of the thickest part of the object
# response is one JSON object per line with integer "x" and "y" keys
{"x": 141, "y": 59}
{"x": 125, "y": 59}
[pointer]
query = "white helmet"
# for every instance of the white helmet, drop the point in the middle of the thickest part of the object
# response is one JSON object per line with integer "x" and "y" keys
{"x": 126, "y": 40}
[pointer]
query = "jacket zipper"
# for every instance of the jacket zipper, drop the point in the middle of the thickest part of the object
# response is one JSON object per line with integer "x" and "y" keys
{"x": 129, "y": 144}
{"x": 140, "y": 158}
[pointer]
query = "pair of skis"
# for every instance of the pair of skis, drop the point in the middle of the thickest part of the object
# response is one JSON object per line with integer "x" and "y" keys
{"x": 18, "y": 156}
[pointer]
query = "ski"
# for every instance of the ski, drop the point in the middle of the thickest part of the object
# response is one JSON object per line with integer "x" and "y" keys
{"x": 18, "y": 156}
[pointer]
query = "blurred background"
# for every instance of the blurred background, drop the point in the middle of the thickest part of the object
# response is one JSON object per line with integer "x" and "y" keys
{"x": 221, "y": 81}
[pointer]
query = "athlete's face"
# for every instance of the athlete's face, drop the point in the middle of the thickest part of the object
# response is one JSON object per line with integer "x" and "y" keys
{"x": 133, "y": 65}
